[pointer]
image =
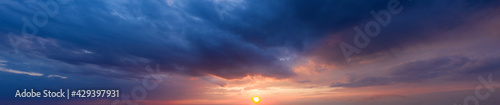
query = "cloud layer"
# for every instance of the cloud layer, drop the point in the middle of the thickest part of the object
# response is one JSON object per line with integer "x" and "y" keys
{"x": 234, "y": 49}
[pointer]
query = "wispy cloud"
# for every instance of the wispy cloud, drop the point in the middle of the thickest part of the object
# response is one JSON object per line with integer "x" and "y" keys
{"x": 57, "y": 76}
{"x": 20, "y": 72}
{"x": 2, "y": 63}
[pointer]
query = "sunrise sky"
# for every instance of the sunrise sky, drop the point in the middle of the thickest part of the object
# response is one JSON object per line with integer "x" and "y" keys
{"x": 225, "y": 52}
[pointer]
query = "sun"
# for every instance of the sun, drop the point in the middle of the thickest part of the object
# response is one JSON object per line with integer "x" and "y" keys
{"x": 256, "y": 99}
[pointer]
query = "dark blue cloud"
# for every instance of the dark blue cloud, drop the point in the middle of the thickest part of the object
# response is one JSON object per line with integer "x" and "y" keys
{"x": 192, "y": 37}
{"x": 126, "y": 35}
{"x": 416, "y": 24}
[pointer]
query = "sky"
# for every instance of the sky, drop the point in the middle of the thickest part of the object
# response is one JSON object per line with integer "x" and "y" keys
{"x": 224, "y": 52}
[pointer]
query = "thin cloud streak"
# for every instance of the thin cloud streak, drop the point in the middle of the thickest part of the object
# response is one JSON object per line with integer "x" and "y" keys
{"x": 20, "y": 72}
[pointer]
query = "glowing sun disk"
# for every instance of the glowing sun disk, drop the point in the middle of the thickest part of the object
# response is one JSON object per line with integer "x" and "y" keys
{"x": 256, "y": 99}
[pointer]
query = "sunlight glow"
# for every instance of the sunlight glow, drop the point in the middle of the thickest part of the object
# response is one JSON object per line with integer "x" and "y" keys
{"x": 256, "y": 99}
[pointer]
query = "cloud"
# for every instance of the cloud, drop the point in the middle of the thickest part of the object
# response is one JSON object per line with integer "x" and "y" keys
{"x": 117, "y": 39}
{"x": 201, "y": 43}
{"x": 451, "y": 68}
{"x": 414, "y": 25}
{"x": 2, "y": 63}
{"x": 30, "y": 73}
{"x": 57, "y": 76}
{"x": 214, "y": 80}
{"x": 20, "y": 72}
{"x": 173, "y": 37}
